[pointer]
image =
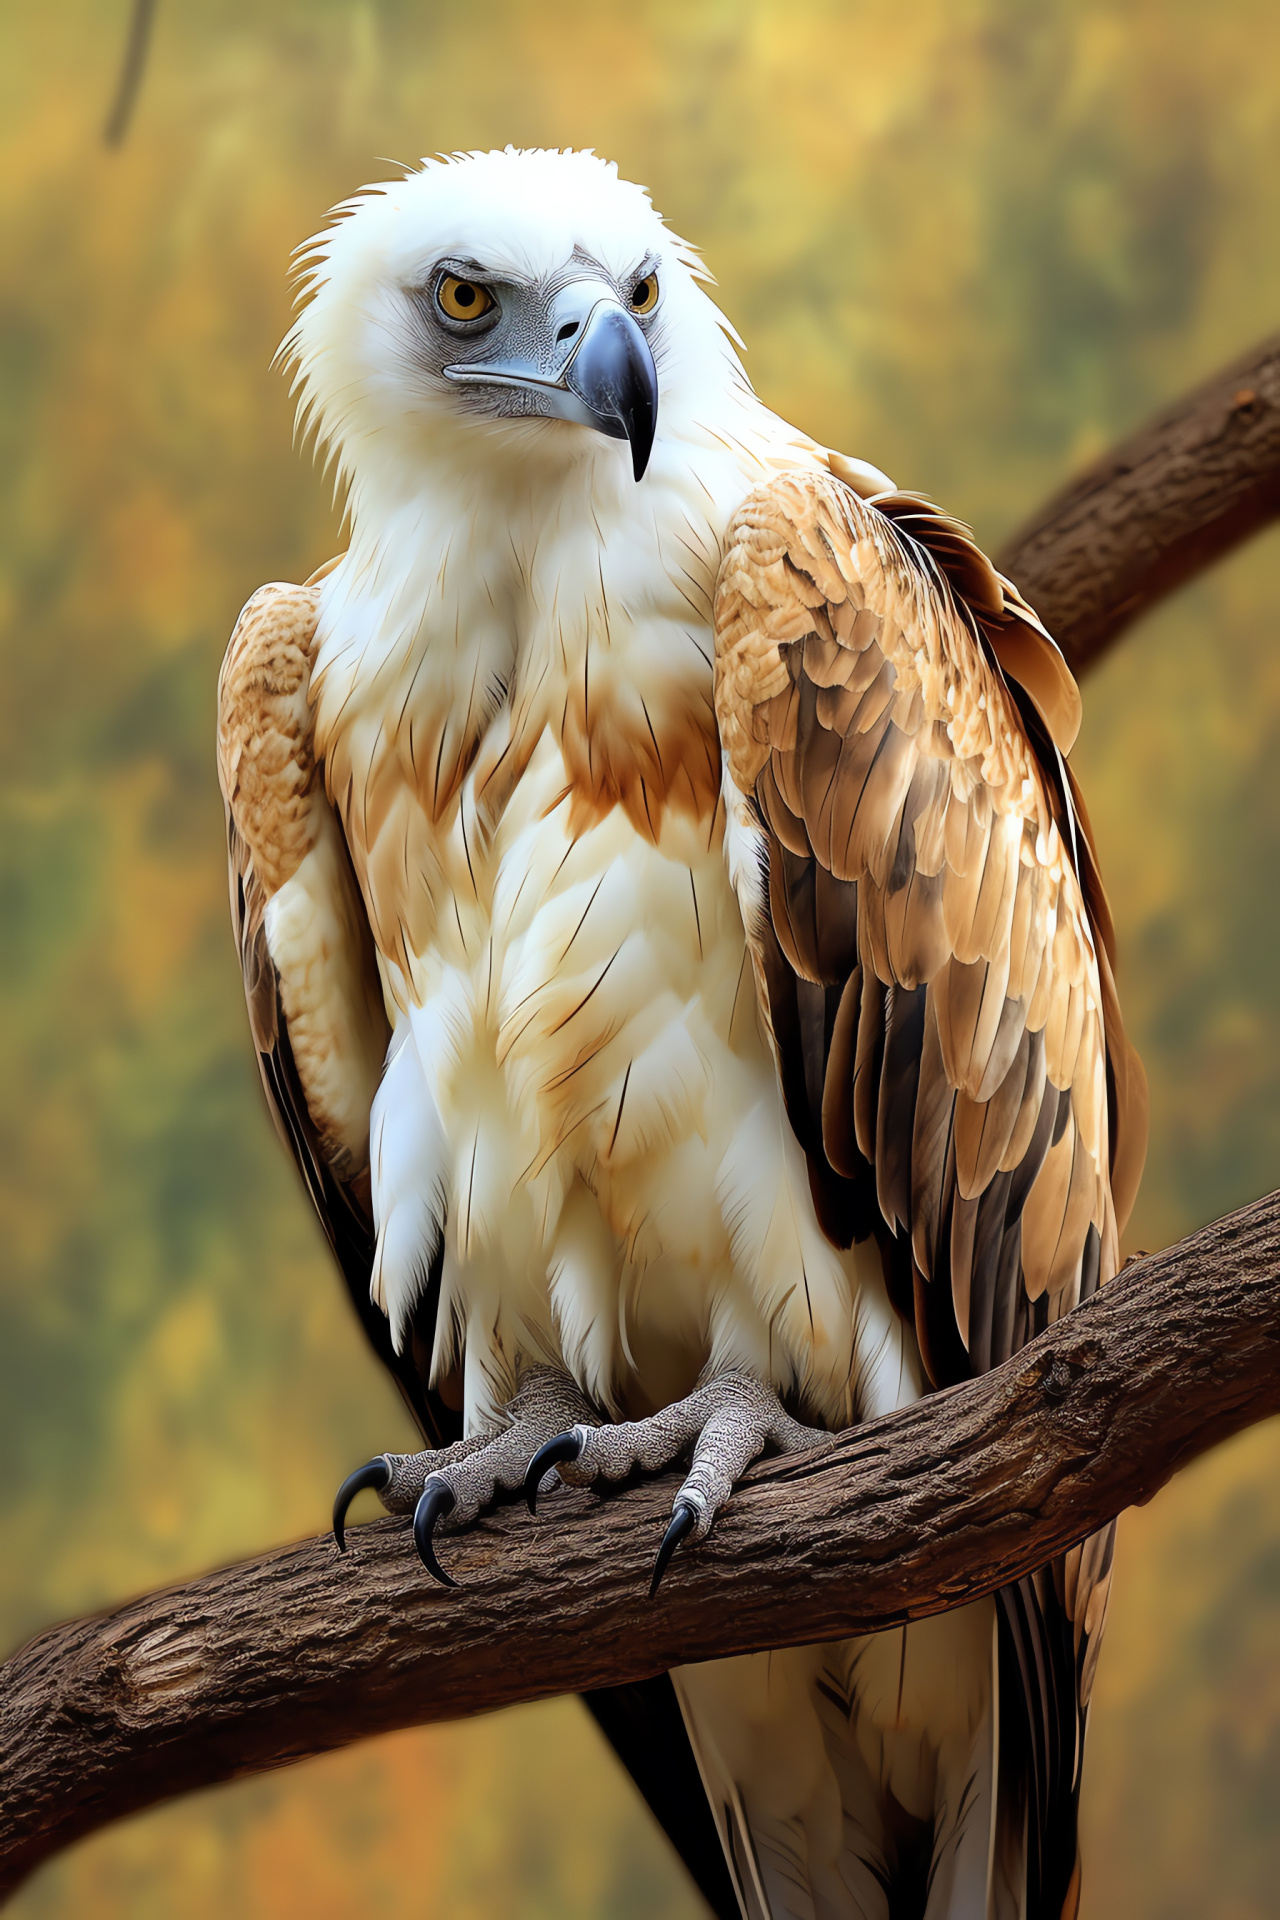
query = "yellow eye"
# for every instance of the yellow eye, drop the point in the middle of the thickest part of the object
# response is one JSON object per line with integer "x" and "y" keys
{"x": 463, "y": 299}
{"x": 644, "y": 294}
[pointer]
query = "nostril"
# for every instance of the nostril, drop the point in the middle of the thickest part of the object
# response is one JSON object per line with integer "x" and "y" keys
{"x": 568, "y": 330}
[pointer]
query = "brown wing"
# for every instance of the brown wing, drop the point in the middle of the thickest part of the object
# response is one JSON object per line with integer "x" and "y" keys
{"x": 315, "y": 1004}
{"x": 935, "y": 964}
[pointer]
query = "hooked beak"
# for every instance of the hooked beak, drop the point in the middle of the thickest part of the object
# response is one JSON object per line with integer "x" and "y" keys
{"x": 607, "y": 379}
{"x": 613, "y": 375}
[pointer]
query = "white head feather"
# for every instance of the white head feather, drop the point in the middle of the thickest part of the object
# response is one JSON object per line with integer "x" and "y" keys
{"x": 382, "y": 411}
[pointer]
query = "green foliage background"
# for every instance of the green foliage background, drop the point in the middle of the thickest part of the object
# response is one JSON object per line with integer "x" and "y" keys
{"x": 972, "y": 240}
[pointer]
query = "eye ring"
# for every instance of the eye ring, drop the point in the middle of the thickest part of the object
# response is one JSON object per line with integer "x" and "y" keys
{"x": 463, "y": 300}
{"x": 644, "y": 294}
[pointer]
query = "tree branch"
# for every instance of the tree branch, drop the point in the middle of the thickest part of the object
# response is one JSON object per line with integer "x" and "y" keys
{"x": 1180, "y": 494}
{"x": 301, "y": 1651}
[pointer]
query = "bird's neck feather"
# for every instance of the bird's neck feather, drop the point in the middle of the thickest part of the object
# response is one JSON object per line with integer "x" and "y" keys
{"x": 555, "y": 587}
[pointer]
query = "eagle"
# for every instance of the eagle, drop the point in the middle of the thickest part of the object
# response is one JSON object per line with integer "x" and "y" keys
{"x": 677, "y": 961}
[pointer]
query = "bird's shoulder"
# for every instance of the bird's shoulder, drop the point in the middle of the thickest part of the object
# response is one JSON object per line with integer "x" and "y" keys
{"x": 833, "y": 576}
{"x": 265, "y": 739}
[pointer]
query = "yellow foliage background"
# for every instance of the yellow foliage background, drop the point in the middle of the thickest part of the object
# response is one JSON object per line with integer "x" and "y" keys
{"x": 972, "y": 240}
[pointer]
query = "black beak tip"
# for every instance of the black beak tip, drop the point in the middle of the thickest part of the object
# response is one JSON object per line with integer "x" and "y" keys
{"x": 639, "y": 411}
{"x": 641, "y": 448}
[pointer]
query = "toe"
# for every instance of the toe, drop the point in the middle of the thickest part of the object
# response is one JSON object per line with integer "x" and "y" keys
{"x": 557, "y": 1453}
{"x": 437, "y": 1501}
{"x": 727, "y": 1422}
{"x": 683, "y": 1522}
{"x": 647, "y": 1446}
{"x": 725, "y": 1449}
{"x": 375, "y": 1473}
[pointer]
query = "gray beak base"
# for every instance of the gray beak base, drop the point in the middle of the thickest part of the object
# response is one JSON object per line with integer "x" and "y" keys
{"x": 613, "y": 375}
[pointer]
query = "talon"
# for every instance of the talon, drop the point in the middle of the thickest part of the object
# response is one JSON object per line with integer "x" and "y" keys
{"x": 375, "y": 1474}
{"x": 565, "y": 1446}
{"x": 437, "y": 1500}
{"x": 683, "y": 1522}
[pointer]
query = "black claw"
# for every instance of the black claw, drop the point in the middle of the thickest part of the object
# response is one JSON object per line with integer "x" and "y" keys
{"x": 437, "y": 1500}
{"x": 683, "y": 1522}
{"x": 376, "y": 1474}
{"x": 565, "y": 1446}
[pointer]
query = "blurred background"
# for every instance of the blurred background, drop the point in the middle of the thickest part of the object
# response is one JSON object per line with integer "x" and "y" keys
{"x": 971, "y": 240}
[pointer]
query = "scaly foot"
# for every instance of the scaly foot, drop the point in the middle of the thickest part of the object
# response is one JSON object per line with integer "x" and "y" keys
{"x": 728, "y": 1420}
{"x": 449, "y": 1486}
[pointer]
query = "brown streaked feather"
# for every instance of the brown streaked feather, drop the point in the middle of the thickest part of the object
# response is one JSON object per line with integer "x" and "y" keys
{"x": 899, "y": 1081}
{"x": 833, "y": 825}
{"x": 1025, "y": 928}
{"x": 791, "y": 901}
{"x": 811, "y": 1006}
{"x": 867, "y": 1061}
{"x": 1127, "y": 1101}
{"x": 778, "y": 816}
{"x": 1005, "y": 1045}
{"x": 994, "y": 1114}
{"x": 995, "y": 1039}
{"x": 835, "y": 912}
{"x": 1027, "y": 655}
{"x": 1045, "y": 1212}
{"x": 266, "y": 759}
{"x": 873, "y": 933}
{"x": 914, "y": 927}
{"x": 992, "y": 921}
{"x": 959, "y": 988}
{"x": 964, "y": 1228}
{"x": 838, "y": 1138}
{"x": 1027, "y": 1117}
{"x": 872, "y": 841}
{"x": 993, "y": 1233}
{"x": 1025, "y": 652}
{"x": 966, "y": 568}
{"x": 931, "y": 1145}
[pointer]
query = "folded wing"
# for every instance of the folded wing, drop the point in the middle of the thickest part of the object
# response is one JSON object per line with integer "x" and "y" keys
{"x": 310, "y": 974}
{"x": 934, "y": 958}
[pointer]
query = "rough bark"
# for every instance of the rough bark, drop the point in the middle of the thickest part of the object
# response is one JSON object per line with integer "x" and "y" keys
{"x": 301, "y": 1651}
{"x": 1177, "y": 496}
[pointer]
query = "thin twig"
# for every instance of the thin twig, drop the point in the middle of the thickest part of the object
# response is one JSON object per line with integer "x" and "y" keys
{"x": 131, "y": 72}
